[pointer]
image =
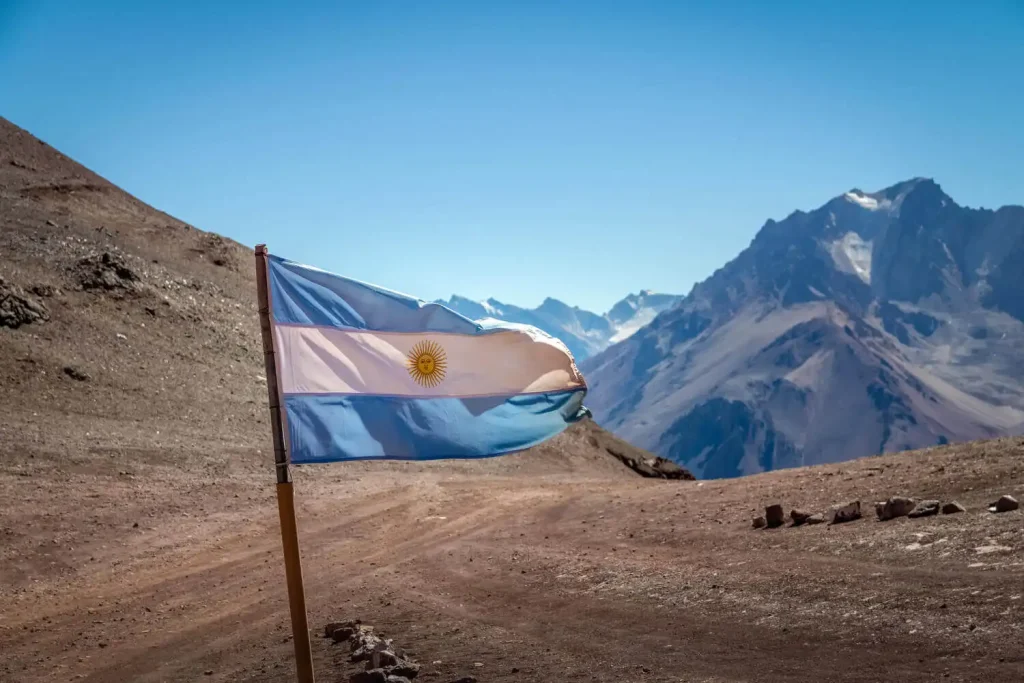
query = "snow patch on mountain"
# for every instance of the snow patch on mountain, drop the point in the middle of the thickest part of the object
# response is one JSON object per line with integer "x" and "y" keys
{"x": 852, "y": 254}
{"x": 871, "y": 202}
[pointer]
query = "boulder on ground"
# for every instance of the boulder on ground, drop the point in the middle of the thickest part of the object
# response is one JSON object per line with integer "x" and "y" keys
{"x": 364, "y": 642}
{"x": 953, "y": 507}
{"x": 816, "y": 519}
{"x": 759, "y": 522}
{"x": 1004, "y": 504}
{"x": 403, "y": 668}
{"x": 799, "y": 517}
{"x": 76, "y": 374}
{"x": 340, "y": 631}
{"x": 926, "y": 508}
{"x": 897, "y": 506}
{"x": 846, "y": 513}
{"x": 774, "y": 516}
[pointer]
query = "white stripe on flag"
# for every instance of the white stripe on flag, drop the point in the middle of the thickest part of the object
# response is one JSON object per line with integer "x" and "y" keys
{"x": 327, "y": 360}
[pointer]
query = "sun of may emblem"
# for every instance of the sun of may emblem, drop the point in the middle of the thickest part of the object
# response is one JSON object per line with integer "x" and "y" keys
{"x": 427, "y": 363}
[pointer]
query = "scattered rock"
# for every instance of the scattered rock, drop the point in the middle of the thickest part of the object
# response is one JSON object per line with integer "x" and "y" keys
{"x": 340, "y": 631}
{"x": 816, "y": 519}
{"x": 107, "y": 272}
{"x": 1004, "y": 504}
{"x": 364, "y": 643}
{"x": 404, "y": 668}
{"x": 897, "y": 506}
{"x": 926, "y": 508}
{"x": 799, "y": 517}
{"x": 45, "y": 291}
{"x": 846, "y": 513}
{"x": 953, "y": 507}
{"x": 208, "y": 672}
{"x": 465, "y": 679}
{"x": 759, "y": 522}
{"x": 18, "y": 308}
{"x": 76, "y": 374}
{"x": 382, "y": 658}
{"x": 774, "y": 516}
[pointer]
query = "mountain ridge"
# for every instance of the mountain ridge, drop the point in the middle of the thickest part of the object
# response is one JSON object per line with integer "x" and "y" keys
{"x": 899, "y": 307}
{"x": 583, "y": 332}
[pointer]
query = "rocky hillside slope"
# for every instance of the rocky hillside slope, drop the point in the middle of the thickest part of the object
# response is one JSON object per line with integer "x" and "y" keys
{"x": 878, "y": 322}
{"x": 124, "y": 331}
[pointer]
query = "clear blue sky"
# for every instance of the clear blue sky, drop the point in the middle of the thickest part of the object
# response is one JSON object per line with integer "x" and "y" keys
{"x": 521, "y": 149}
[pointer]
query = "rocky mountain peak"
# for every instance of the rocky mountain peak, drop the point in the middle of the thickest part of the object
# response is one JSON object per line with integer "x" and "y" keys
{"x": 874, "y": 314}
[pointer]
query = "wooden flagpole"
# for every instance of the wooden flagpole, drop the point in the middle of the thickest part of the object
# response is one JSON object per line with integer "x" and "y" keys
{"x": 285, "y": 499}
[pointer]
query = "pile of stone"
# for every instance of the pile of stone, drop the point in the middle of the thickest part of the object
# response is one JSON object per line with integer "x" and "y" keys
{"x": 384, "y": 662}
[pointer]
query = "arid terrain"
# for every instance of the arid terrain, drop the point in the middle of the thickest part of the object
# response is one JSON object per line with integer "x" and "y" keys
{"x": 139, "y": 535}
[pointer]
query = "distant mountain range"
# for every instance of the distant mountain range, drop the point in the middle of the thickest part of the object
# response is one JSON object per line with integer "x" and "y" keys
{"x": 878, "y": 322}
{"x": 583, "y": 332}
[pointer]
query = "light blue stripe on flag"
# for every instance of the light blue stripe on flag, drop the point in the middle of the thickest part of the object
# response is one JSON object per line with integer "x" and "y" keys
{"x": 329, "y": 428}
{"x": 367, "y": 373}
{"x": 303, "y": 295}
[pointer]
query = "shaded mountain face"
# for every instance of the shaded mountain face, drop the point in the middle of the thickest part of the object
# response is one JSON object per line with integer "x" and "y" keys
{"x": 878, "y": 322}
{"x": 583, "y": 332}
{"x": 128, "y": 336}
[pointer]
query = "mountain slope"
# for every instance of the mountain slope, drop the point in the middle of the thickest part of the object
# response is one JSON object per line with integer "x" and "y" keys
{"x": 124, "y": 331}
{"x": 583, "y": 332}
{"x": 878, "y": 322}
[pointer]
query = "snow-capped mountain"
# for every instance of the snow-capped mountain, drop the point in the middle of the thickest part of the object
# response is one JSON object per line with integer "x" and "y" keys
{"x": 878, "y": 322}
{"x": 583, "y": 332}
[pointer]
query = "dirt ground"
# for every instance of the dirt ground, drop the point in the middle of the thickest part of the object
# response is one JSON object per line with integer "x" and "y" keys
{"x": 514, "y": 577}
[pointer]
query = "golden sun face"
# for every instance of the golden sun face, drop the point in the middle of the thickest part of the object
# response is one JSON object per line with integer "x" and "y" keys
{"x": 427, "y": 363}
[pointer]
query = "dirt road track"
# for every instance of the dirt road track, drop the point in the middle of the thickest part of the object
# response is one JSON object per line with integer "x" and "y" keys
{"x": 537, "y": 579}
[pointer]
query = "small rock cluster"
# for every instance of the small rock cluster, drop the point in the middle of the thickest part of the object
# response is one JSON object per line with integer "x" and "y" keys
{"x": 107, "y": 272}
{"x": 384, "y": 662}
{"x": 18, "y": 307}
{"x": 897, "y": 506}
{"x": 655, "y": 468}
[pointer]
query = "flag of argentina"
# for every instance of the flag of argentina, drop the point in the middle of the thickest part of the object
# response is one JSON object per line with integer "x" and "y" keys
{"x": 366, "y": 373}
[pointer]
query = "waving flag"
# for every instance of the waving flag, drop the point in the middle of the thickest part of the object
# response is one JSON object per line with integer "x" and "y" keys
{"x": 366, "y": 373}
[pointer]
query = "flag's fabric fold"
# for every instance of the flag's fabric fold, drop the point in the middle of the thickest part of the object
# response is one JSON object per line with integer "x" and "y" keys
{"x": 366, "y": 373}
